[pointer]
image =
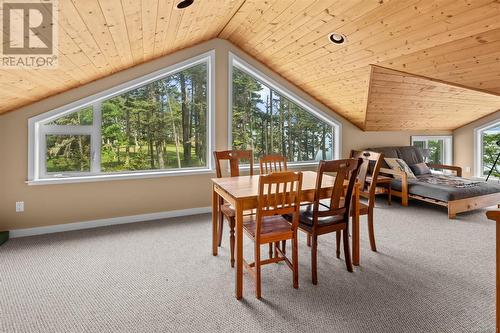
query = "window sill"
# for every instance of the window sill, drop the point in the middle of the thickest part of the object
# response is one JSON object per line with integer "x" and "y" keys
{"x": 492, "y": 180}
{"x": 123, "y": 176}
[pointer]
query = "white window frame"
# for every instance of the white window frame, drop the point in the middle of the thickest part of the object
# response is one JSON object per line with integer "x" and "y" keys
{"x": 235, "y": 61}
{"x": 448, "y": 145}
{"x": 37, "y": 130}
{"x": 478, "y": 147}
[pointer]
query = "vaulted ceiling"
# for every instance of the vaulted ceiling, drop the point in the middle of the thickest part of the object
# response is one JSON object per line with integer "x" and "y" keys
{"x": 399, "y": 100}
{"x": 453, "y": 41}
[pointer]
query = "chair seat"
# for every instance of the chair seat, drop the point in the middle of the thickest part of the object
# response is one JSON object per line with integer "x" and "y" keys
{"x": 306, "y": 217}
{"x": 271, "y": 225}
{"x": 363, "y": 208}
{"x": 306, "y": 214}
{"x": 228, "y": 210}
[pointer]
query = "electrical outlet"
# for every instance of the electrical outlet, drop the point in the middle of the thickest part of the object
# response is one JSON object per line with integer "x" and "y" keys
{"x": 467, "y": 169}
{"x": 19, "y": 206}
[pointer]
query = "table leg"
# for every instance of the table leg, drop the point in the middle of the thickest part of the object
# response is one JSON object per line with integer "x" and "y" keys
{"x": 355, "y": 228}
{"x": 239, "y": 250}
{"x": 215, "y": 213}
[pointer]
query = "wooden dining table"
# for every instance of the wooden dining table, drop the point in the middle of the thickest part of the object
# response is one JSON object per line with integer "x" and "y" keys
{"x": 242, "y": 193}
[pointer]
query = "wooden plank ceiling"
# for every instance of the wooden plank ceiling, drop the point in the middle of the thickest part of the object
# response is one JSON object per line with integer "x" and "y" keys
{"x": 449, "y": 40}
{"x": 101, "y": 37}
{"x": 428, "y": 104}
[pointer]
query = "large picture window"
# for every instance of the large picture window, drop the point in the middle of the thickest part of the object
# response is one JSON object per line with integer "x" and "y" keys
{"x": 270, "y": 120}
{"x": 436, "y": 149}
{"x": 487, "y": 149}
{"x": 158, "y": 123}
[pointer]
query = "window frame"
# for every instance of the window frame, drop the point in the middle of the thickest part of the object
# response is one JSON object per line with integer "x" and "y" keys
{"x": 478, "y": 148}
{"x": 235, "y": 61}
{"x": 37, "y": 130}
{"x": 448, "y": 145}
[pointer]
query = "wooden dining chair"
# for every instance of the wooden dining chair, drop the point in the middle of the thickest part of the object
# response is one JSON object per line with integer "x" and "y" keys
{"x": 272, "y": 163}
{"x": 234, "y": 158}
{"x": 331, "y": 215}
{"x": 268, "y": 164}
{"x": 367, "y": 178}
{"x": 279, "y": 194}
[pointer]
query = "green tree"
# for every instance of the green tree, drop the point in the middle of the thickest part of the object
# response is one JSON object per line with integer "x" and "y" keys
{"x": 267, "y": 122}
{"x": 157, "y": 126}
{"x": 490, "y": 152}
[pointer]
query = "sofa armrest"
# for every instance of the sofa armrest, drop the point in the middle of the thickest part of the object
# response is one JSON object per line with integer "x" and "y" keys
{"x": 457, "y": 169}
{"x": 404, "y": 183}
{"x": 391, "y": 172}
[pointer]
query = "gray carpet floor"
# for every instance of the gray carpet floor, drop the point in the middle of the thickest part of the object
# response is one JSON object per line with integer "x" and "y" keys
{"x": 430, "y": 275}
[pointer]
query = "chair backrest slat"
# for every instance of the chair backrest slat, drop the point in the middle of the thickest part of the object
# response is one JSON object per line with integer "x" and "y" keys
{"x": 343, "y": 169}
{"x": 272, "y": 163}
{"x": 279, "y": 193}
{"x": 234, "y": 157}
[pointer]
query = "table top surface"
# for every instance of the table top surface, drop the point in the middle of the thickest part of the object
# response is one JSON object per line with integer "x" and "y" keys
{"x": 248, "y": 186}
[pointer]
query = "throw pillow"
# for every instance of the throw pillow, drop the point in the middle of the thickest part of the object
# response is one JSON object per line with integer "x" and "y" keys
{"x": 399, "y": 165}
{"x": 420, "y": 169}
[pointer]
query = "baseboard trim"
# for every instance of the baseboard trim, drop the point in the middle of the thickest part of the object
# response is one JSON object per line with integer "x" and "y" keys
{"x": 106, "y": 222}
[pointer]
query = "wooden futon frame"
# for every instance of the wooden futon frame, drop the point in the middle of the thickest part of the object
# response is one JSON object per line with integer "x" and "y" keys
{"x": 454, "y": 206}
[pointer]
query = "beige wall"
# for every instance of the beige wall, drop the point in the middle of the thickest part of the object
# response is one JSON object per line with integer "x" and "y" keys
{"x": 66, "y": 203}
{"x": 463, "y": 142}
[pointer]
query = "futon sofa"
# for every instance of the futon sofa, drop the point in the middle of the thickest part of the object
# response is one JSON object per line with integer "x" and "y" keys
{"x": 448, "y": 190}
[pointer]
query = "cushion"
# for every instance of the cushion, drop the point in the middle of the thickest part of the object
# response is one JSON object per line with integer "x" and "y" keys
{"x": 420, "y": 169}
{"x": 363, "y": 208}
{"x": 443, "y": 192}
{"x": 306, "y": 216}
{"x": 388, "y": 152}
{"x": 411, "y": 155}
{"x": 399, "y": 165}
{"x": 391, "y": 152}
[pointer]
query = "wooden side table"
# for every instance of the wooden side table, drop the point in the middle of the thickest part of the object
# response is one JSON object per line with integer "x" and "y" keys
{"x": 384, "y": 188}
{"x": 495, "y": 215}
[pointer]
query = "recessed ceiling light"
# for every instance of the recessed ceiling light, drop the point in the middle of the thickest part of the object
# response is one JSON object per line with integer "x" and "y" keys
{"x": 184, "y": 4}
{"x": 336, "y": 38}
